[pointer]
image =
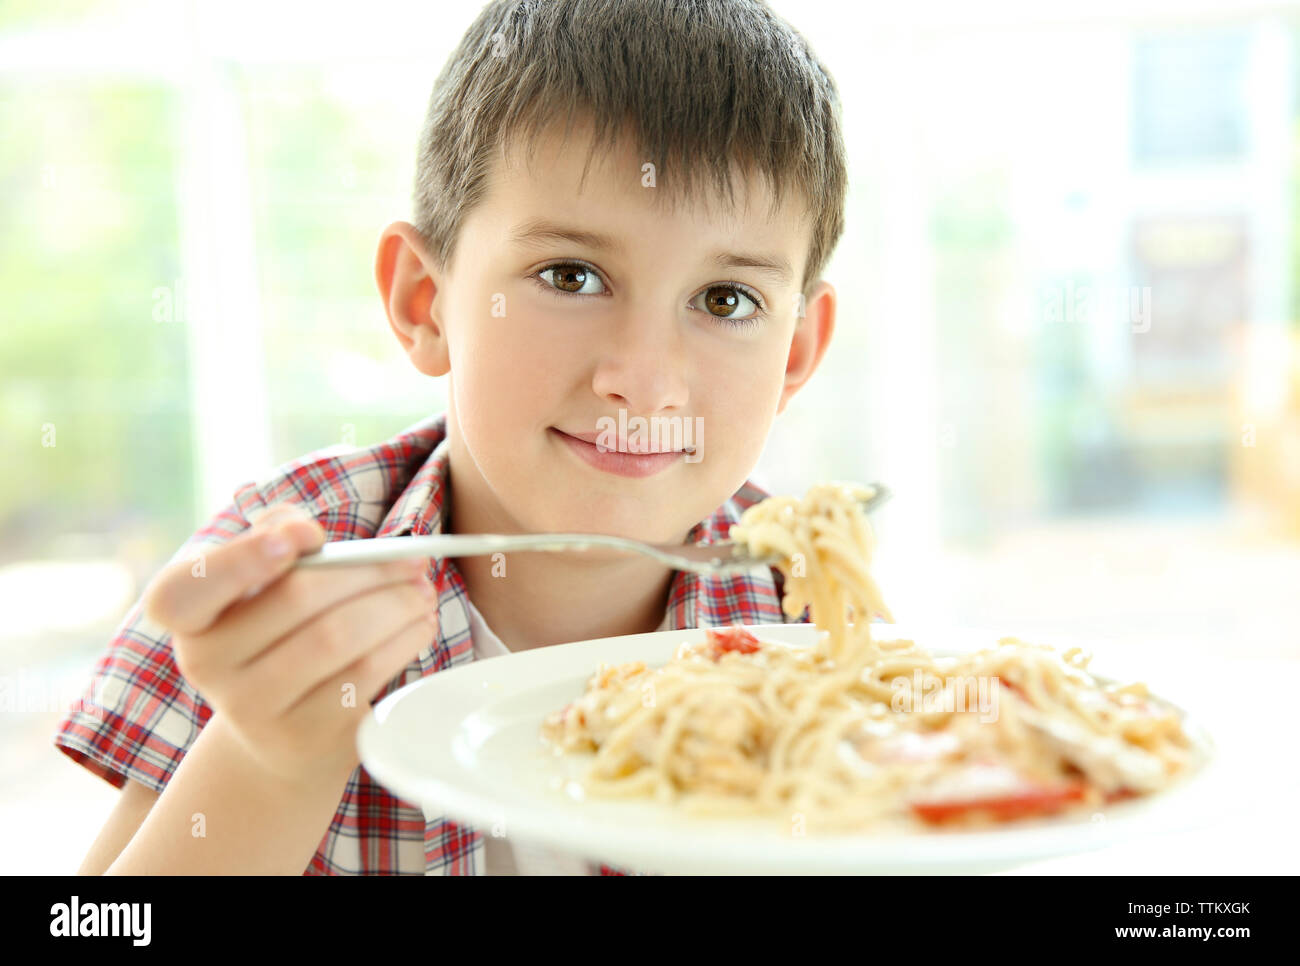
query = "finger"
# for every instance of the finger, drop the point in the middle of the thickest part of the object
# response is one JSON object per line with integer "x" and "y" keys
{"x": 351, "y": 690}
{"x": 278, "y": 512}
{"x": 294, "y": 524}
{"x": 385, "y": 662}
{"x": 294, "y": 601}
{"x": 338, "y": 636}
{"x": 187, "y": 598}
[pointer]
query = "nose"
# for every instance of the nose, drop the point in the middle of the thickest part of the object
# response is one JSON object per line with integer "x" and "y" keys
{"x": 643, "y": 368}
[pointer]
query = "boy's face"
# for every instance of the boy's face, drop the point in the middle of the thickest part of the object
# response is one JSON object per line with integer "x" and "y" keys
{"x": 548, "y": 339}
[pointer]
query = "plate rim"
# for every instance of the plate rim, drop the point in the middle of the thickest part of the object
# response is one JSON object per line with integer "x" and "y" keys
{"x": 602, "y": 842}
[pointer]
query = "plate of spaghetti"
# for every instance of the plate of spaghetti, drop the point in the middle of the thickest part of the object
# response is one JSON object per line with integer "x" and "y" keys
{"x": 842, "y": 746}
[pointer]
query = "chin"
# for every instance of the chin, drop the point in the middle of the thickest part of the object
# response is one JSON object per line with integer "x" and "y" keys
{"x": 618, "y": 517}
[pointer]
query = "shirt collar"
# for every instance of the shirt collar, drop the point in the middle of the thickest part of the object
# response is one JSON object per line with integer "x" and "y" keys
{"x": 421, "y": 506}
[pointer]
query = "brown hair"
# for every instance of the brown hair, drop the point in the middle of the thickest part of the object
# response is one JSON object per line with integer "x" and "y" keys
{"x": 700, "y": 85}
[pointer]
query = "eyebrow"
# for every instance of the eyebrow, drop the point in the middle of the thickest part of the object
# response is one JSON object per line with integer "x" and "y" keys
{"x": 534, "y": 233}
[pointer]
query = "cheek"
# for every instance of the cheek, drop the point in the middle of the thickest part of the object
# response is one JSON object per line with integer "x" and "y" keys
{"x": 740, "y": 399}
{"x": 507, "y": 369}
{"x": 728, "y": 426}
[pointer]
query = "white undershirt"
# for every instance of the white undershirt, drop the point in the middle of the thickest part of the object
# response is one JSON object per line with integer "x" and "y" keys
{"x": 506, "y": 856}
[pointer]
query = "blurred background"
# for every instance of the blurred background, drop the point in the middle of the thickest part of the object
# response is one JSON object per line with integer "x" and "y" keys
{"x": 1068, "y": 333}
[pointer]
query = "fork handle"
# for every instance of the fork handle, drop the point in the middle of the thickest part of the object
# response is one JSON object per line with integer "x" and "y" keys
{"x": 350, "y": 553}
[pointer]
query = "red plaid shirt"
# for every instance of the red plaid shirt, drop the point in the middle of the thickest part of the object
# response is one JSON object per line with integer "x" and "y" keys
{"x": 139, "y": 715}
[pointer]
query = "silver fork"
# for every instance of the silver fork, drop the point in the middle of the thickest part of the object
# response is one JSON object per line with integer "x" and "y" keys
{"x": 702, "y": 558}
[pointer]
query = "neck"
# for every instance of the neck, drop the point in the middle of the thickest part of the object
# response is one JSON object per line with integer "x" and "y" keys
{"x": 544, "y": 599}
{"x": 541, "y": 598}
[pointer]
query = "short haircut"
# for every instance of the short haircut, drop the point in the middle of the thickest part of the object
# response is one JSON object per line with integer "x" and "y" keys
{"x": 699, "y": 85}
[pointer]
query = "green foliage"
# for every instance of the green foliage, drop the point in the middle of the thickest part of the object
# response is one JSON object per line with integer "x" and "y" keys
{"x": 319, "y": 175}
{"x": 90, "y": 215}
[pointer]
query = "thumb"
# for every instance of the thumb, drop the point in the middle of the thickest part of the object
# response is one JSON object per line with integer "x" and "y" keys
{"x": 296, "y": 523}
{"x": 295, "y": 527}
{"x": 187, "y": 602}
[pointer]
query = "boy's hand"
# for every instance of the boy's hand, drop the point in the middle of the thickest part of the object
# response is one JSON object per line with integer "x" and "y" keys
{"x": 291, "y": 658}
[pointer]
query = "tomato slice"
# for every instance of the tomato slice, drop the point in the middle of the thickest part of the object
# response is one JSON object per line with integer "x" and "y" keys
{"x": 1003, "y": 682}
{"x": 731, "y": 639}
{"x": 1042, "y": 800}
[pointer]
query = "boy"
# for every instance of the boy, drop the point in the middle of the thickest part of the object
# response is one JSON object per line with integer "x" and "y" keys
{"x": 622, "y": 209}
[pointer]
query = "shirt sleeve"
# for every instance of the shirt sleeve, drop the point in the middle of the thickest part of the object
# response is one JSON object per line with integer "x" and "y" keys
{"x": 138, "y": 716}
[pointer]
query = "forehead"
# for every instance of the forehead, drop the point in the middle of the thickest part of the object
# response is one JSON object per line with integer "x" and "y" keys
{"x": 623, "y": 198}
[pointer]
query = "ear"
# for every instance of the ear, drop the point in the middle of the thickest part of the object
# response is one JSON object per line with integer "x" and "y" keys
{"x": 409, "y": 284}
{"x": 812, "y": 335}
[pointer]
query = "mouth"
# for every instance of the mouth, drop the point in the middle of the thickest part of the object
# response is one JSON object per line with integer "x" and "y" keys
{"x": 625, "y": 461}
{"x": 623, "y": 445}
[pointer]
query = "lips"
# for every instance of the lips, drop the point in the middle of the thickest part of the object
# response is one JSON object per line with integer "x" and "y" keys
{"x": 620, "y": 463}
{"x": 623, "y": 445}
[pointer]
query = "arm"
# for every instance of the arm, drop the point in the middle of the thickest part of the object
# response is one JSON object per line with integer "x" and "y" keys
{"x": 273, "y": 650}
{"x": 126, "y": 818}
{"x": 256, "y": 823}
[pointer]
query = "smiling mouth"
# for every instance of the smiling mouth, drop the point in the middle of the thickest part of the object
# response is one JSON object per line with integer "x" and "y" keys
{"x": 618, "y": 462}
{"x": 623, "y": 446}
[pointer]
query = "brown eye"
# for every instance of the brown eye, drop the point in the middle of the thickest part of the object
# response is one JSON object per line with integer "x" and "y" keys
{"x": 722, "y": 302}
{"x": 569, "y": 277}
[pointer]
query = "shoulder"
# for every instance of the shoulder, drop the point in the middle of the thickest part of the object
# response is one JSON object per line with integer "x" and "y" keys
{"x": 139, "y": 715}
{"x": 345, "y": 483}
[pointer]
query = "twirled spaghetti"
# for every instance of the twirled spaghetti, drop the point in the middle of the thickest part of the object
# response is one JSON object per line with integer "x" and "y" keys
{"x": 854, "y": 730}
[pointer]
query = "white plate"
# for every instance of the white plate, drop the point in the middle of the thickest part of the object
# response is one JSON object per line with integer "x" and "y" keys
{"x": 465, "y": 743}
